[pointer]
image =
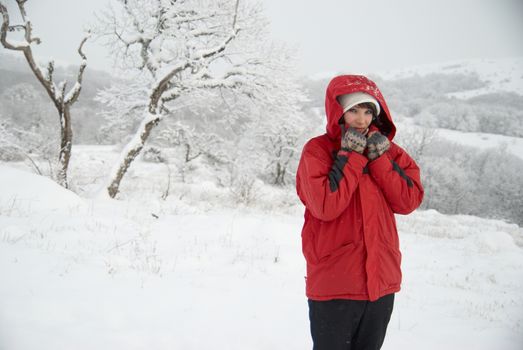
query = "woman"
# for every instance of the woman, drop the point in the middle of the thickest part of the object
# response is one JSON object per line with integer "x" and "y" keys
{"x": 352, "y": 180}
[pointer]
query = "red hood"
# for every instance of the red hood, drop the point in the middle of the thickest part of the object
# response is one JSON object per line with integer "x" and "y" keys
{"x": 346, "y": 84}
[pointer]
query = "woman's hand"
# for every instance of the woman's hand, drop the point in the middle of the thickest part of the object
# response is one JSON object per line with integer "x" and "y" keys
{"x": 353, "y": 140}
{"x": 377, "y": 144}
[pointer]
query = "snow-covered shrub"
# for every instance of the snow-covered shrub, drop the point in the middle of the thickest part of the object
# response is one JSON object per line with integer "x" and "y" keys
{"x": 499, "y": 113}
{"x": 451, "y": 114}
{"x": 483, "y": 113}
{"x": 244, "y": 190}
{"x": 10, "y": 150}
{"x": 461, "y": 180}
{"x": 153, "y": 154}
{"x": 416, "y": 141}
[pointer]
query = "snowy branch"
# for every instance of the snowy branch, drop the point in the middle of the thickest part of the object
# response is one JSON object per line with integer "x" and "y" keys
{"x": 74, "y": 93}
{"x": 10, "y": 45}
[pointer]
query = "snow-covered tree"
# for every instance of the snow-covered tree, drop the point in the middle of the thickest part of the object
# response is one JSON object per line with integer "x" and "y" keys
{"x": 449, "y": 114}
{"x": 192, "y": 144}
{"x": 62, "y": 98}
{"x": 278, "y": 129}
{"x": 417, "y": 141}
{"x": 123, "y": 105}
{"x": 181, "y": 50}
{"x": 462, "y": 179}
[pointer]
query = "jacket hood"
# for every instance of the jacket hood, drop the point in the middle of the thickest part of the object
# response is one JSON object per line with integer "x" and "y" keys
{"x": 346, "y": 84}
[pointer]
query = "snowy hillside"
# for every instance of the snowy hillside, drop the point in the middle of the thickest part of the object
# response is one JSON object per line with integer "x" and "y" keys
{"x": 513, "y": 145}
{"x": 505, "y": 75}
{"x": 84, "y": 274}
{"x": 478, "y": 140}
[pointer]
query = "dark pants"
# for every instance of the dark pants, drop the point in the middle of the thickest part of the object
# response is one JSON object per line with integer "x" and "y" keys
{"x": 350, "y": 324}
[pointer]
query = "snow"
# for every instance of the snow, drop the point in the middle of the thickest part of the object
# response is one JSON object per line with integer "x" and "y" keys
{"x": 502, "y": 74}
{"x": 98, "y": 273}
{"x": 74, "y": 90}
{"x": 479, "y": 140}
{"x": 24, "y": 191}
{"x": 484, "y": 141}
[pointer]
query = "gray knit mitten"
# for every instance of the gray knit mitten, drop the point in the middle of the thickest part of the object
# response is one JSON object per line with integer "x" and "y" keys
{"x": 377, "y": 144}
{"x": 352, "y": 140}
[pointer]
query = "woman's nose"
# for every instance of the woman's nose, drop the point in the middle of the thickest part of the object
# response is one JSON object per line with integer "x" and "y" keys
{"x": 360, "y": 115}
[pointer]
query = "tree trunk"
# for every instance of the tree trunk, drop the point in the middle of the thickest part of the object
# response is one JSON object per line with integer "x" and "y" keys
{"x": 66, "y": 139}
{"x": 280, "y": 174}
{"x": 131, "y": 151}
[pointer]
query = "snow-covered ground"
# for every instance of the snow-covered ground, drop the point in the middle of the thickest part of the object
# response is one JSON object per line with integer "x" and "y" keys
{"x": 149, "y": 274}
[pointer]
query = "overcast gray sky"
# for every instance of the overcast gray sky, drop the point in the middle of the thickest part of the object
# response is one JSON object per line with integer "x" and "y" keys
{"x": 332, "y": 35}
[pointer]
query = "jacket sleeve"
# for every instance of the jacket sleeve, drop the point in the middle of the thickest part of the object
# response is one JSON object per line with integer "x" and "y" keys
{"x": 326, "y": 186}
{"x": 398, "y": 176}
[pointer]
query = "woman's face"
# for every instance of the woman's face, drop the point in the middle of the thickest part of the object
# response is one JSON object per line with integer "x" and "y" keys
{"x": 359, "y": 118}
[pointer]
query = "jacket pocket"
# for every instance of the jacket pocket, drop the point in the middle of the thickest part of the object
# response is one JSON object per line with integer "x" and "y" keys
{"x": 318, "y": 248}
{"x": 344, "y": 248}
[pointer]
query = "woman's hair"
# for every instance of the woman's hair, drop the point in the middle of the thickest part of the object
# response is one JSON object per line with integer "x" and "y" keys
{"x": 369, "y": 106}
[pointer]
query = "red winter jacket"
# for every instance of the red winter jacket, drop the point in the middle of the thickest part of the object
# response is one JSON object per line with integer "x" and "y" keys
{"x": 349, "y": 238}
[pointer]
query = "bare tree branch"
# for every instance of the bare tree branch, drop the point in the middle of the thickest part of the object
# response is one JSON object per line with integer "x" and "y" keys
{"x": 4, "y": 29}
{"x": 75, "y": 91}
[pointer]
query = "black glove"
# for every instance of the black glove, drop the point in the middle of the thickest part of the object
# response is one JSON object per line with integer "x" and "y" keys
{"x": 377, "y": 144}
{"x": 352, "y": 140}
